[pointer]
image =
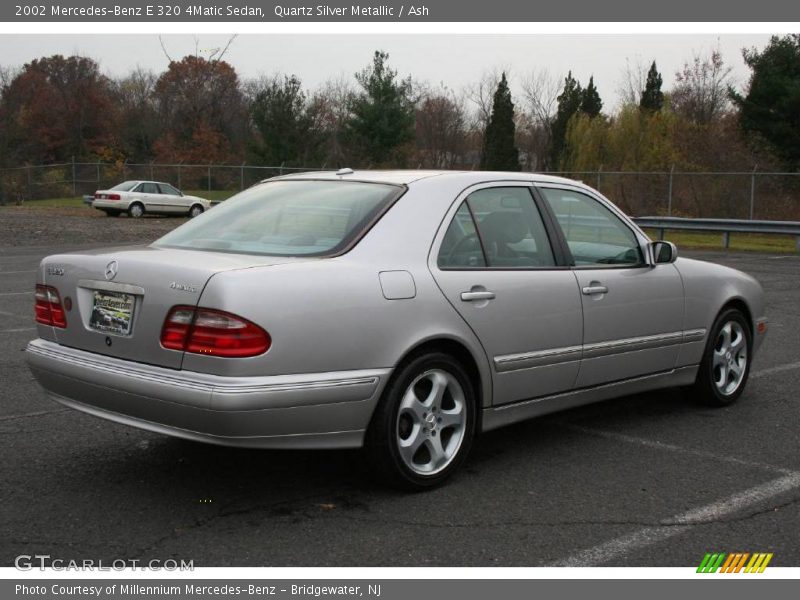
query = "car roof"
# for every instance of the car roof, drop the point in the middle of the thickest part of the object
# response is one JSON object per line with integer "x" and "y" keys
{"x": 407, "y": 177}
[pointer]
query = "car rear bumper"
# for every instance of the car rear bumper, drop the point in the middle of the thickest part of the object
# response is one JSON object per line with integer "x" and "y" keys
{"x": 312, "y": 410}
{"x": 110, "y": 204}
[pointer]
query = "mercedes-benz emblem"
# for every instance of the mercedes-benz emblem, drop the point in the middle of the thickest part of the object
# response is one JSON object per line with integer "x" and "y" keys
{"x": 111, "y": 270}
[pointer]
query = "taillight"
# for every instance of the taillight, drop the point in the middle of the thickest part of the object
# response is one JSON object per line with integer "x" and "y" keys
{"x": 48, "y": 307}
{"x": 212, "y": 332}
{"x": 107, "y": 196}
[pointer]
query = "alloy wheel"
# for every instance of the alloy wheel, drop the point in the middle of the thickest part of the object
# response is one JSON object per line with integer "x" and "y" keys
{"x": 431, "y": 422}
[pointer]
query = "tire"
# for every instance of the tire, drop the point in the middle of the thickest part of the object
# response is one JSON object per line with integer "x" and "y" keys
{"x": 726, "y": 361}
{"x": 423, "y": 427}
{"x": 196, "y": 211}
{"x": 136, "y": 210}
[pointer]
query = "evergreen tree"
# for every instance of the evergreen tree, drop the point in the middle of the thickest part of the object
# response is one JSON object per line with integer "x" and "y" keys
{"x": 279, "y": 114}
{"x": 500, "y": 152}
{"x": 569, "y": 103}
{"x": 591, "y": 104}
{"x": 771, "y": 107}
{"x": 652, "y": 97}
{"x": 383, "y": 115}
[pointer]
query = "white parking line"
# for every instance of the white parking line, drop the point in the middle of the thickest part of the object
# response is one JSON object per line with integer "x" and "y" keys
{"x": 33, "y": 414}
{"x": 15, "y": 272}
{"x": 15, "y": 293}
{"x": 777, "y": 369}
{"x": 681, "y": 523}
{"x": 18, "y": 330}
{"x": 656, "y": 445}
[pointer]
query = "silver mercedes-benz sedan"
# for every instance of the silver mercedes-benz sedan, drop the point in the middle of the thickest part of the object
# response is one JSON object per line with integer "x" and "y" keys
{"x": 401, "y": 311}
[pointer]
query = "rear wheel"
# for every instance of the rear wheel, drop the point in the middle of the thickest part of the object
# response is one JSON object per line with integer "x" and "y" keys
{"x": 423, "y": 429}
{"x": 195, "y": 211}
{"x": 136, "y": 210}
{"x": 726, "y": 363}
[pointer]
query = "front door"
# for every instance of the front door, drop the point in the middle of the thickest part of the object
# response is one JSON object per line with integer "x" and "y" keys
{"x": 632, "y": 311}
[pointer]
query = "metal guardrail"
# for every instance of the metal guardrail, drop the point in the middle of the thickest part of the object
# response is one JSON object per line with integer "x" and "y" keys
{"x": 725, "y": 226}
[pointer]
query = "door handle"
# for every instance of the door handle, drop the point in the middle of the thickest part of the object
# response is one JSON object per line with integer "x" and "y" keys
{"x": 470, "y": 296}
{"x": 594, "y": 289}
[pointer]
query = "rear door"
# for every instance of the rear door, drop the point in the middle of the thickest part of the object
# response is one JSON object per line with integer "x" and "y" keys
{"x": 495, "y": 264}
{"x": 632, "y": 311}
{"x": 148, "y": 191}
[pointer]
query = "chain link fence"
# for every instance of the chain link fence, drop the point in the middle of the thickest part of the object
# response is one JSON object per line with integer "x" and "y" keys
{"x": 729, "y": 195}
{"x": 65, "y": 180}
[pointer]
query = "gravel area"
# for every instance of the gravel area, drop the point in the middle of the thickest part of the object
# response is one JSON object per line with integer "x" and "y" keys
{"x": 41, "y": 226}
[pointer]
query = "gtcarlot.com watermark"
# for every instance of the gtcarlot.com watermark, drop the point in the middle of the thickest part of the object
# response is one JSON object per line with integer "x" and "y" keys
{"x": 43, "y": 562}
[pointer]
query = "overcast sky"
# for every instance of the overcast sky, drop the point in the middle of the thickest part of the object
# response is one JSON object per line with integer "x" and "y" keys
{"x": 456, "y": 60}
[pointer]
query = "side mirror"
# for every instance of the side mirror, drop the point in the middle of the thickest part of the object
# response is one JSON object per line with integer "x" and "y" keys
{"x": 663, "y": 252}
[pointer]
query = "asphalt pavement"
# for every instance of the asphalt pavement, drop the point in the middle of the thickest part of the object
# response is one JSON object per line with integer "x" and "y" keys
{"x": 646, "y": 480}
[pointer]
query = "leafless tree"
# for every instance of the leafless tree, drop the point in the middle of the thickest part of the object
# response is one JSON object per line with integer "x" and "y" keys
{"x": 632, "y": 82}
{"x": 701, "y": 88}
{"x": 329, "y": 109}
{"x": 540, "y": 90}
{"x": 441, "y": 127}
{"x": 481, "y": 95}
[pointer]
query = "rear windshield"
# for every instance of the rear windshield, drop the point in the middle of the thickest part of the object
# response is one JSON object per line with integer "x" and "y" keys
{"x": 125, "y": 186}
{"x": 287, "y": 218}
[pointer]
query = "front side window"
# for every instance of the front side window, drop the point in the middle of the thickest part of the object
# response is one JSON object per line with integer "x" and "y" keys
{"x": 497, "y": 227}
{"x": 168, "y": 189}
{"x": 287, "y": 218}
{"x": 594, "y": 234}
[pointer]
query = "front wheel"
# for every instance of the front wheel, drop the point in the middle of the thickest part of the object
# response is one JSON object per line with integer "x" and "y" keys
{"x": 423, "y": 429}
{"x": 726, "y": 363}
{"x": 195, "y": 211}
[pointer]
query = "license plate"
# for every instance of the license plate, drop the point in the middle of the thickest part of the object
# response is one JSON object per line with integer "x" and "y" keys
{"x": 112, "y": 312}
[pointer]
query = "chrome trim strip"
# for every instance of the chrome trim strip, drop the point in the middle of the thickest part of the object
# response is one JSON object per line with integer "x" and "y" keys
{"x": 526, "y": 360}
{"x": 554, "y": 356}
{"x": 129, "y": 369}
{"x": 644, "y": 342}
{"x": 694, "y": 335}
{"x": 110, "y": 286}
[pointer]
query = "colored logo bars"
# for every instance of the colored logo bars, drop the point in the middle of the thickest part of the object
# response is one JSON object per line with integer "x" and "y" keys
{"x": 734, "y": 562}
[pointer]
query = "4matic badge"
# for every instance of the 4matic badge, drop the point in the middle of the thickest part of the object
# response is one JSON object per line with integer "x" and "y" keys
{"x": 183, "y": 287}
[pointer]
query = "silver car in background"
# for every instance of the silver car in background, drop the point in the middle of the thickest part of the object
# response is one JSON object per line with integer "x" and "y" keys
{"x": 136, "y": 198}
{"x": 401, "y": 311}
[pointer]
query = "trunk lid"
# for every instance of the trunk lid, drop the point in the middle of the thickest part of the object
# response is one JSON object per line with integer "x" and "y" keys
{"x": 119, "y": 297}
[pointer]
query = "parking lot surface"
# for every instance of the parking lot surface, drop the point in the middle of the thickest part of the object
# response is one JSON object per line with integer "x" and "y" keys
{"x": 646, "y": 480}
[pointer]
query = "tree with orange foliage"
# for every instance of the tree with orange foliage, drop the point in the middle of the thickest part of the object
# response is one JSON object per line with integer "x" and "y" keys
{"x": 202, "y": 112}
{"x": 58, "y": 108}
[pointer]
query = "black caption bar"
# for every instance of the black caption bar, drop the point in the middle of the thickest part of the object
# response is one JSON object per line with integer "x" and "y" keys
{"x": 389, "y": 11}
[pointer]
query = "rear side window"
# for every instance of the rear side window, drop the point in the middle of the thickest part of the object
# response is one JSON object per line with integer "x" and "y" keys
{"x": 594, "y": 234}
{"x": 125, "y": 186}
{"x": 288, "y": 218}
{"x": 148, "y": 188}
{"x": 497, "y": 228}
